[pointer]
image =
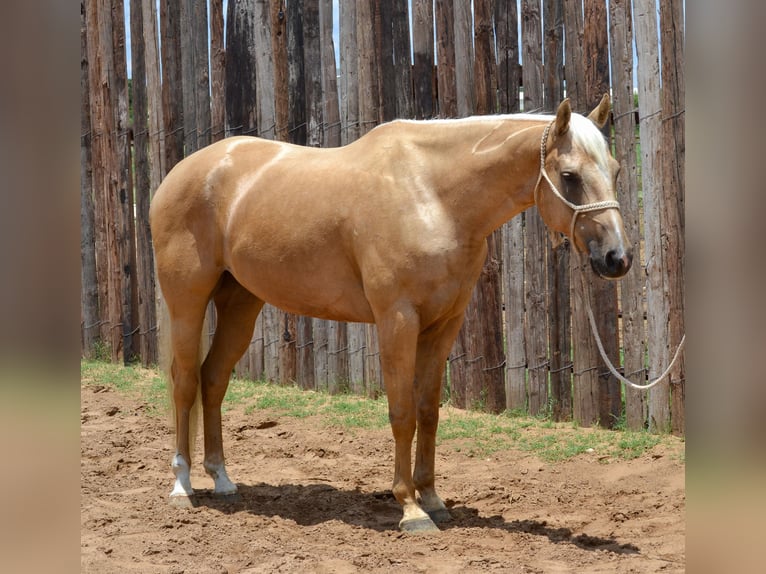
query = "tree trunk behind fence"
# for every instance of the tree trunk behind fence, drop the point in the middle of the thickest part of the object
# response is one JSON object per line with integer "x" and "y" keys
{"x": 423, "y": 48}
{"x": 632, "y": 285}
{"x": 88, "y": 275}
{"x": 534, "y": 260}
{"x": 650, "y": 128}
{"x": 672, "y": 207}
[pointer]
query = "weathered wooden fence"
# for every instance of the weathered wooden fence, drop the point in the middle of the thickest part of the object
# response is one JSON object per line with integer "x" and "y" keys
{"x": 269, "y": 68}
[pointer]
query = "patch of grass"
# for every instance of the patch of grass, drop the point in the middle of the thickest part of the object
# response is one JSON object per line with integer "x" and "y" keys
{"x": 475, "y": 434}
{"x": 132, "y": 379}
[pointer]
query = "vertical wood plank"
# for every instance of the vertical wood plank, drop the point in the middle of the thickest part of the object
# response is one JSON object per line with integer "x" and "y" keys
{"x": 604, "y": 292}
{"x": 673, "y": 184}
{"x": 349, "y": 70}
{"x": 144, "y": 255}
{"x": 535, "y": 294}
{"x": 88, "y": 275}
{"x": 632, "y": 285}
{"x": 402, "y": 59}
{"x": 172, "y": 83}
{"x": 99, "y": 157}
{"x": 464, "y": 58}
{"x": 445, "y": 53}
{"x": 217, "y": 72}
{"x": 559, "y": 310}
{"x": 650, "y": 130}
{"x": 508, "y": 74}
{"x": 423, "y": 66}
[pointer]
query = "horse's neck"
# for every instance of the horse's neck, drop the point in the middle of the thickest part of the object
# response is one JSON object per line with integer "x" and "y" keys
{"x": 487, "y": 170}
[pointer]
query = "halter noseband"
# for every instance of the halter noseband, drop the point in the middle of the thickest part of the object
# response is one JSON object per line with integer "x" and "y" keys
{"x": 576, "y": 209}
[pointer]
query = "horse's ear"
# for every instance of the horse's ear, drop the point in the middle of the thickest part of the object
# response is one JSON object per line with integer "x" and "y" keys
{"x": 601, "y": 112}
{"x": 563, "y": 114}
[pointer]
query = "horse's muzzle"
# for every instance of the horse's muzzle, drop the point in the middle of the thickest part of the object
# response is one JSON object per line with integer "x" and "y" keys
{"x": 614, "y": 264}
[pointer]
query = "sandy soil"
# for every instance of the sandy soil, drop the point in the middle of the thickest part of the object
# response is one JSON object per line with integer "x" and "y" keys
{"x": 317, "y": 499}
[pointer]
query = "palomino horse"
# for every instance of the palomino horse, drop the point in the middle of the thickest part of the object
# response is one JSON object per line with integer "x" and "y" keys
{"x": 390, "y": 229}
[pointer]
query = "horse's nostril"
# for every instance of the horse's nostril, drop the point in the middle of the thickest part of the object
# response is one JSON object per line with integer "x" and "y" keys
{"x": 617, "y": 261}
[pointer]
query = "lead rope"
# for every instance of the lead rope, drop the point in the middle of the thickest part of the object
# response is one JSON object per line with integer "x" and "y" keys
{"x": 610, "y": 366}
{"x": 577, "y": 210}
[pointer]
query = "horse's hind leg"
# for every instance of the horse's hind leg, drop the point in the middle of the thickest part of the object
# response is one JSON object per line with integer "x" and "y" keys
{"x": 237, "y": 310}
{"x": 186, "y": 322}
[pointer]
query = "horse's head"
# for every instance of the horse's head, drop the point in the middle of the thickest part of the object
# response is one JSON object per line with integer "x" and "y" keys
{"x": 575, "y": 193}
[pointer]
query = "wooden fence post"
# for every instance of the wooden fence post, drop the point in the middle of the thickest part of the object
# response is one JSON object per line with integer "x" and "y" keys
{"x": 172, "y": 83}
{"x": 632, "y": 285}
{"x": 559, "y": 307}
{"x": 217, "y": 72}
{"x": 445, "y": 53}
{"x": 99, "y": 157}
{"x": 508, "y": 80}
{"x": 673, "y": 185}
{"x": 650, "y": 129}
{"x": 604, "y": 293}
{"x": 534, "y": 262}
{"x": 143, "y": 189}
{"x": 88, "y": 276}
{"x": 423, "y": 48}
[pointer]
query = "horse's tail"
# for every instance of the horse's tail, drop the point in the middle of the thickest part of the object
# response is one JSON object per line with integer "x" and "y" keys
{"x": 165, "y": 350}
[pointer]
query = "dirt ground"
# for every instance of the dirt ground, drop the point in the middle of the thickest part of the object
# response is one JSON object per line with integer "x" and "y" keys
{"x": 314, "y": 499}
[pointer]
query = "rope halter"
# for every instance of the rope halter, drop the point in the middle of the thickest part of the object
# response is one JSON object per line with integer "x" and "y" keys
{"x": 576, "y": 209}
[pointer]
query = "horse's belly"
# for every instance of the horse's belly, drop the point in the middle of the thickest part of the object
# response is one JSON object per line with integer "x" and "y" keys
{"x": 326, "y": 291}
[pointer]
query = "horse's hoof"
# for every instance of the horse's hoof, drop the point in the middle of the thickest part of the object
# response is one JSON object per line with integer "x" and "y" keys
{"x": 440, "y": 515}
{"x": 418, "y": 525}
{"x": 182, "y": 501}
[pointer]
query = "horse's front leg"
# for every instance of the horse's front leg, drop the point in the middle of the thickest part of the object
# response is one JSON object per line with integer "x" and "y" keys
{"x": 398, "y": 332}
{"x": 433, "y": 349}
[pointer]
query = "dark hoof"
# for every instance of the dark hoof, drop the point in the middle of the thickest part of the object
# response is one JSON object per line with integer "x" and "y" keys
{"x": 182, "y": 501}
{"x": 418, "y": 526}
{"x": 440, "y": 515}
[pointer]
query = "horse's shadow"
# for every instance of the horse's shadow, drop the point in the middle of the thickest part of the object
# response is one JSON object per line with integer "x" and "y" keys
{"x": 312, "y": 504}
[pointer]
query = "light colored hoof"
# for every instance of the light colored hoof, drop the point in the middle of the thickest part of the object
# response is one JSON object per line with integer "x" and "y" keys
{"x": 422, "y": 525}
{"x": 440, "y": 515}
{"x": 182, "y": 501}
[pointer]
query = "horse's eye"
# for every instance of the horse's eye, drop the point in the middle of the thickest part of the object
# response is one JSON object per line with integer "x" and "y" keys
{"x": 568, "y": 175}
